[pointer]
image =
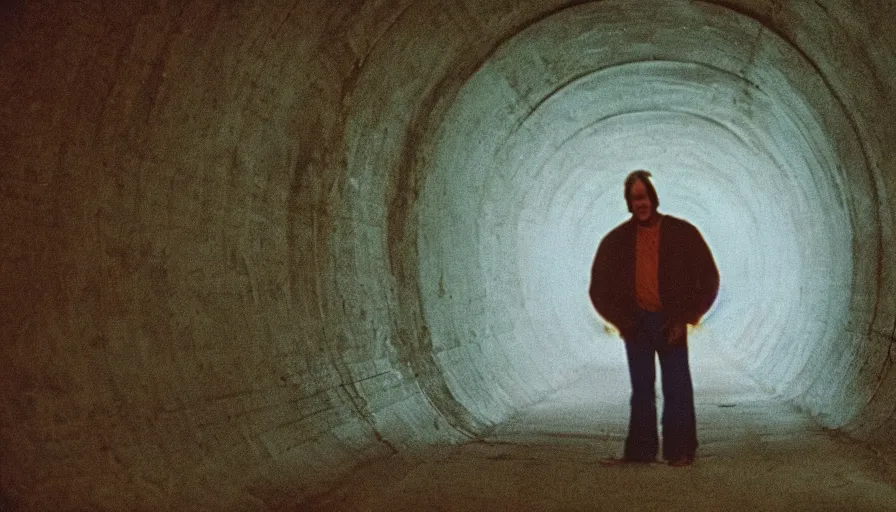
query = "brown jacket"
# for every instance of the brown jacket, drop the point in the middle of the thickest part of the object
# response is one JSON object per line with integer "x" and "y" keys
{"x": 688, "y": 277}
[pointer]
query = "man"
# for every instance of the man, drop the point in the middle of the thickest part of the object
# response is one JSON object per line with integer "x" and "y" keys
{"x": 652, "y": 276}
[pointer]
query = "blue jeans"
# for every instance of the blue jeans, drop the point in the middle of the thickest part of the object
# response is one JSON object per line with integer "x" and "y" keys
{"x": 679, "y": 420}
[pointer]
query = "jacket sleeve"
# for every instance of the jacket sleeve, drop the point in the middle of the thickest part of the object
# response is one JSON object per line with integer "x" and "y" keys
{"x": 603, "y": 290}
{"x": 706, "y": 276}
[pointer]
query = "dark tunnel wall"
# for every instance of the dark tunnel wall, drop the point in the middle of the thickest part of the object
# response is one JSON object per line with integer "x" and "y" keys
{"x": 248, "y": 247}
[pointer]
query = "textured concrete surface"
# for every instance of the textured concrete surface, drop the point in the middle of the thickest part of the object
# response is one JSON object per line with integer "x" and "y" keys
{"x": 248, "y": 247}
{"x": 757, "y": 453}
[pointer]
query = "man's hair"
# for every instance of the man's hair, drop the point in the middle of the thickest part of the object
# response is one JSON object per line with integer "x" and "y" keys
{"x": 644, "y": 177}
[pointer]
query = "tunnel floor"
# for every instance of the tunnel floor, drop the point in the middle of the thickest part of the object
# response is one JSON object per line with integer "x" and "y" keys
{"x": 756, "y": 452}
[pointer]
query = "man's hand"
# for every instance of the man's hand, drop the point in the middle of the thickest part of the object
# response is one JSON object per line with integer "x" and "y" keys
{"x": 675, "y": 333}
{"x": 628, "y": 332}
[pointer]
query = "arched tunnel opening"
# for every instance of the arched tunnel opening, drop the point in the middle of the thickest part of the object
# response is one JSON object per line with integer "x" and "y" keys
{"x": 251, "y": 248}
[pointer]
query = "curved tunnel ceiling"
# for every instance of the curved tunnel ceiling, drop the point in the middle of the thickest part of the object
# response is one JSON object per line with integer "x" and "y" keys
{"x": 249, "y": 255}
{"x": 547, "y": 128}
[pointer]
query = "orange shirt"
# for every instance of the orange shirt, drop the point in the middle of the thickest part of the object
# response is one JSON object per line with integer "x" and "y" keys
{"x": 647, "y": 259}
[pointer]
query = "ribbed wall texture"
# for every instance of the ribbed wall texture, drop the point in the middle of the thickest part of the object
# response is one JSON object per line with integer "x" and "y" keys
{"x": 248, "y": 246}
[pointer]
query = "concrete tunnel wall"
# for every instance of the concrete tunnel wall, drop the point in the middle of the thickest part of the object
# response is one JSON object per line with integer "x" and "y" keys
{"x": 248, "y": 247}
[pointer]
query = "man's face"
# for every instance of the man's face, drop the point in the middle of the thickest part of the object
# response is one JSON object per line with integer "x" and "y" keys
{"x": 640, "y": 201}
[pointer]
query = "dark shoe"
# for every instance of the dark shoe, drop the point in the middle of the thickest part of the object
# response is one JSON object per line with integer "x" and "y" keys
{"x": 680, "y": 462}
{"x": 613, "y": 461}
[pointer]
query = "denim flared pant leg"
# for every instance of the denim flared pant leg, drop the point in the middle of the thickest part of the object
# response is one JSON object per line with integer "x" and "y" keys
{"x": 679, "y": 418}
{"x": 642, "y": 442}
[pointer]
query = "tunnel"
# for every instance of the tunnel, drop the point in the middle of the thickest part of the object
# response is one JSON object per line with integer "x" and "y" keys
{"x": 250, "y": 247}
